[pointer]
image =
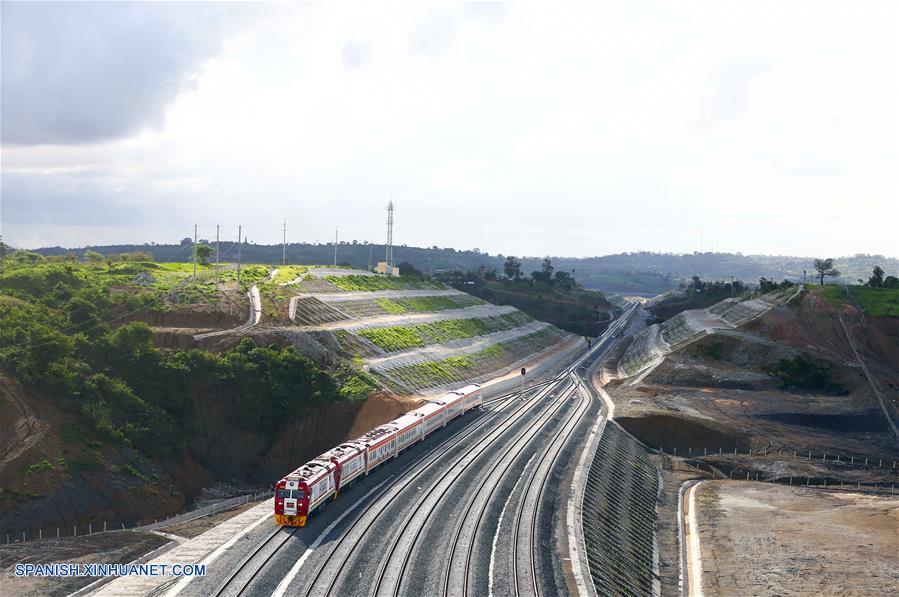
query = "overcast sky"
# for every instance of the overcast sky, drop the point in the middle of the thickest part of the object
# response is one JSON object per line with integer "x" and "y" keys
{"x": 573, "y": 129}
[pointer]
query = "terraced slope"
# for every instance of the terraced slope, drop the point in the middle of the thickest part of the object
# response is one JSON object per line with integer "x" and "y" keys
{"x": 415, "y": 335}
{"x": 653, "y": 343}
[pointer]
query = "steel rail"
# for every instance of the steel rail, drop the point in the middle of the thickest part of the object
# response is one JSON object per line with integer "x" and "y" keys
{"x": 441, "y": 450}
{"x": 554, "y": 448}
{"x": 525, "y": 436}
{"x": 576, "y": 414}
{"x": 252, "y": 556}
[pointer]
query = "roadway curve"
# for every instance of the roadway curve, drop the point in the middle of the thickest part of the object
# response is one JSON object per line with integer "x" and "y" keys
{"x": 479, "y": 508}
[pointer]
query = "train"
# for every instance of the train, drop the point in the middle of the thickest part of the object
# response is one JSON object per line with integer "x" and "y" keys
{"x": 307, "y": 489}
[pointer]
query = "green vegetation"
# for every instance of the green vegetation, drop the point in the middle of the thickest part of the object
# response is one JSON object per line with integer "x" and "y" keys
{"x": 373, "y": 283}
{"x": 396, "y": 338}
{"x": 697, "y": 295}
{"x": 287, "y": 273}
{"x": 58, "y": 336}
{"x": 390, "y": 306}
{"x": 713, "y": 350}
{"x": 428, "y": 374}
{"x": 555, "y": 298}
{"x": 833, "y": 296}
{"x": 801, "y": 373}
{"x": 43, "y": 465}
{"x": 427, "y": 304}
{"x": 877, "y": 302}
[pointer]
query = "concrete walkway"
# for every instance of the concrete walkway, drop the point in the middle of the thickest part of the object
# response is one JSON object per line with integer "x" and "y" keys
{"x": 204, "y": 549}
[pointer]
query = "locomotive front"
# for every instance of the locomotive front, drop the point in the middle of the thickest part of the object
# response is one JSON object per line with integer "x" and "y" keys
{"x": 291, "y": 503}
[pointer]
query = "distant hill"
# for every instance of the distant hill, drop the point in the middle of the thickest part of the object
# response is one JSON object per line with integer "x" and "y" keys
{"x": 623, "y": 273}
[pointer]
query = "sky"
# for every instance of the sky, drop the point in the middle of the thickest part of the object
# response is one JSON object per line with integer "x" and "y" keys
{"x": 577, "y": 129}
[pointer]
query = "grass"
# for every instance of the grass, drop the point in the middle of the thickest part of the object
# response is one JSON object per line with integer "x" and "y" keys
{"x": 438, "y": 372}
{"x": 831, "y": 295}
{"x": 288, "y": 273}
{"x": 396, "y": 338}
{"x": 877, "y": 302}
{"x": 373, "y": 283}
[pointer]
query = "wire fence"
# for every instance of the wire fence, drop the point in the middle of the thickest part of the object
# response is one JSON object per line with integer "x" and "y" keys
{"x": 831, "y": 457}
{"x": 57, "y": 533}
{"x": 742, "y": 474}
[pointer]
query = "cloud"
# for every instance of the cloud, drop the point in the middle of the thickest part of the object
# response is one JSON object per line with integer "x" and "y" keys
{"x": 81, "y": 72}
{"x": 354, "y": 54}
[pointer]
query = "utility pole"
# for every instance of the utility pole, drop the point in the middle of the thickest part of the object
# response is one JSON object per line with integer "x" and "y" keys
{"x": 284, "y": 245}
{"x": 195, "y": 254}
{"x": 239, "y": 230}
{"x": 370, "y": 245}
{"x": 336, "y": 228}
{"x": 216, "y": 254}
{"x": 389, "y": 254}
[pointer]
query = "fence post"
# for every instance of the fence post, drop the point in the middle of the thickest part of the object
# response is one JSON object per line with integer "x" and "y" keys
{"x": 735, "y": 451}
{"x": 75, "y": 531}
{"x": 7, "y": 538}
{"x": 852, "y": 460}
{"x": 90, "y": 528}
{"x": 791, "y": 480}
{"x": 809, "y": 455}
{"x": 838, "y": 457}
{"x": 866, "y": 461}
{"x": 824, "y": 458}
{"x": 104, "y": 526}
{"x": 859, "y": 487}
{"x": 57, "y": 533}
{"x": 40, "y": 534}
{"x": 806, "y": 481}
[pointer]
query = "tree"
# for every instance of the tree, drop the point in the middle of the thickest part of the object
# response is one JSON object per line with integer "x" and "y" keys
{"x": 891, "y": 282}
{"x": 547, "y": 268}
{"x": 512, "y": 267}
{"x": 93, "y": 257}
{"x": 564, "y": 279}
{"x": 824, "y": 267}
{"x": 876, "y": 280}
{"x": 187, "y": 241}
{"x": 204, "y": 252}
{"x": 407, "y": 269}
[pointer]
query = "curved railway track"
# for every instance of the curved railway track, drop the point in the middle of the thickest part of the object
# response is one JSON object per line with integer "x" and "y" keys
{"x": 541, "y": 472}
{"x": 361, "y": 526}
{"x": 451, "y": 476}
{"x": 465, "y": 587}
{"x": 513, "y": 435}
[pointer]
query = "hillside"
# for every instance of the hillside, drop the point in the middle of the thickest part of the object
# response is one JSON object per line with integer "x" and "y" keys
{"x": 643, "y": 273}
{"x": 412, "y": 335}
{"x": 577, "y": 310}
{"x": 123, "y": 382}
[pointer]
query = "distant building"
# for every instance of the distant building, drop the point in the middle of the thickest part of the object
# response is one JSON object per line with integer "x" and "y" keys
{"x": 382, "y": 268}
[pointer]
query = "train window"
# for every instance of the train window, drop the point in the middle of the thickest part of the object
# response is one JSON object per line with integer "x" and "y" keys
{"x": 297, "y": 494}
{"x": 283, "y": 493}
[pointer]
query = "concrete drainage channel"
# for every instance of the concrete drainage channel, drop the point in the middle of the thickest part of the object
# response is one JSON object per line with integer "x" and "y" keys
{"x": 619, "y": 516}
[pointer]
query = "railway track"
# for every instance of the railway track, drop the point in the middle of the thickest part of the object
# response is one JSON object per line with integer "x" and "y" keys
{"x": 477, "y": 508}
{"x": 533, "y": 500}
{"x": 438, "y": 492}
{"x": 546, "y": 401}
{"x": 279, "y": 537}
{"x": 367, "y": 519}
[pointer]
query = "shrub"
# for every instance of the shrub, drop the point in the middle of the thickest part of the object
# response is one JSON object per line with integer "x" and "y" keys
{"x": 802, "y": 373}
